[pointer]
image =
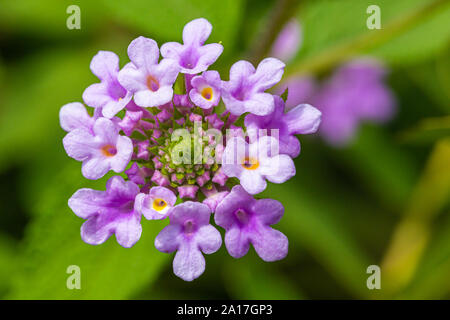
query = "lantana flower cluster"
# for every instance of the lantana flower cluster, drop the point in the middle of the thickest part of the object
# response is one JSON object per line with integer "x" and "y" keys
{"x": 185, "y": 144}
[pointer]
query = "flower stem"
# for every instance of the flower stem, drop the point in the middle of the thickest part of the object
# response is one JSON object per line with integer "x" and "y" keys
{"x": 335, "y": 55}
{"x": 412, "y": 234}
{"x": 280, "y": 15}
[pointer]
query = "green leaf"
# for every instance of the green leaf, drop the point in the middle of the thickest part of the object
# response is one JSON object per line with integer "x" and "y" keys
{"x": 165, "y": 19}
{"x": 256, "y": 280}
{"x": 381, "y": 163}
{"x": 48, "y": 17}
{"x": 310, "y": 221}
{"x": 402, "y": 40}
{"x": 8, "y": 262}
{"x": 432, "y": 279}
{"x": 37, "y": 88}
{"x": 433, "y": 77}
{"x": 285, "y": 94}
{"x": 411, "y": 237}
{"x": 428, "y": 131}
{"x": 52, "y": 243}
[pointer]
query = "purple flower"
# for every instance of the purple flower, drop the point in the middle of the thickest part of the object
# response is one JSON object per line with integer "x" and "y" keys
{"x": 253, "y": 163}
{"x": 301, "y": 90}
{"x": 354, "y": 93}
{"x": 150, "y": 82}
{"x": 214, "y": 196}
{"x": 205, "y": 91}
{"x": 189, "y": 233}
{"x": 138, "y": 174}
{"x": 245, "y": 90}
{"x": 100, "y": 150}
{"x": 288, "y": 41}
{"x": 192, "y": 56}
{"x": 247, "y": 220}
{"x": 108, "y": 95}
{"x": 108, "y": 212}
{"x": 74, "y": 116}
{"x": 303, "y": 119}
{"x": 156, "y": 204}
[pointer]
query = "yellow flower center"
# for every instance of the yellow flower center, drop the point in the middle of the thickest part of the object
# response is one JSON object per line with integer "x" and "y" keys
{"x": 207, "y": 93}
{"x": 108, "y": 150}
{"x": 159, "y": 204}
{"x": 152, "y": 83}
{"x": 250, "y": 163}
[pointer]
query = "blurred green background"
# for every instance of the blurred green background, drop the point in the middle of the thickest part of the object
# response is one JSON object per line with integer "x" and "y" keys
{"x": 382, "y": 200}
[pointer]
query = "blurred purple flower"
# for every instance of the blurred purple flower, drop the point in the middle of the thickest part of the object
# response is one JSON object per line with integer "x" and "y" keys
{"x": 356, "y": 92}
{"x": 247, "y": 220}
{"x": 288, "y": 41}
{"x": 189, "y": 233}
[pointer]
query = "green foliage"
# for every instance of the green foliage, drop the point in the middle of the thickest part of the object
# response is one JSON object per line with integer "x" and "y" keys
{"x": 172, "y": 15}
{"x": 403, "y": 39}
{"x": 47, "y": 18}
{"x": 343, "y": 208}
{"x": 52, "y": 243}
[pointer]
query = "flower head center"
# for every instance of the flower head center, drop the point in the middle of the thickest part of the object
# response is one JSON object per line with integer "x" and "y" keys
{"x": 152, "y": 83}
{"x": 108, "y": 150}
{"x": 159, "y": 204}
{"x": 189, "y": 226}
{"x": 250, "y": 163}
{"x": 242, "y": 216}
{"x": 207, "y": 93}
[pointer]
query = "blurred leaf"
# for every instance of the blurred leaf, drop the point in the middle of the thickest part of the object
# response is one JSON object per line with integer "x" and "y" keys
{"x": 428, "y": 131}
{"x": 384, "y": 166}
{"x": 433, "y": 77}
{"x": 403, "y": 39}
{"x": 432, "y": 279}
{"x": 53, "y": 243}
{"x": 410, "y": 238}
{"x": 36, "y": 89}
{"x": 48, "y": 17}
{"x": 310, "y": 221}
{"x": 257, "y": 280}
{"x": 8, "y": 262}
{"x": 166, "y": 19}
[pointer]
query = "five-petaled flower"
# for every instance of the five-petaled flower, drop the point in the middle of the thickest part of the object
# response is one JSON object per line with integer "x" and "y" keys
{"x": 253, "y": 163}
{"x": 100, "y": 149}
{"x": 205, "y": 91}
{"x": 247, "y": 220}
{"x": 108, "y": 95}
{"x": 108, "y": 212}
{"x": 189, "y": 233}
{"x": 150, "y": 82}
{"x": 245, "y": 90}
{"x": 156, "y": 204}
{"x": 193, "y": 56}
{"x": 302, "y": 119}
